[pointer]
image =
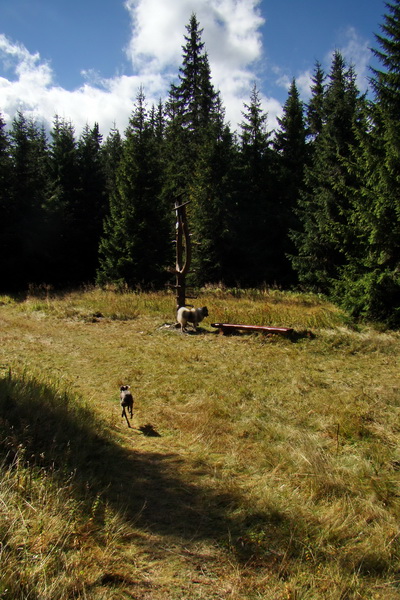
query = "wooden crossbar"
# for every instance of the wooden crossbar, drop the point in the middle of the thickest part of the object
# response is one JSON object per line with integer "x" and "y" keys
{"x": 229, "y": 327}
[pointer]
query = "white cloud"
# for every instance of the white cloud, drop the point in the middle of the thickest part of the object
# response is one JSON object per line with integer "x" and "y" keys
{"x": 356, "y": 50}
{"x": 304, "y": 83}
{"x": 34, "y": 91}
{"x": 157, "y": 33}
{"x": 232, "y": 38}
{"x": 231, "y": 33}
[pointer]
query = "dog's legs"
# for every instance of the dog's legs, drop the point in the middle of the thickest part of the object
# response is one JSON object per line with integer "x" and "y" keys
{"x": 125, "y": 415}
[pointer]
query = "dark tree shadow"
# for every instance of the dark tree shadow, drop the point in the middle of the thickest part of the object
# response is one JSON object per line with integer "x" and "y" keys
{"x": 62, "y": 436}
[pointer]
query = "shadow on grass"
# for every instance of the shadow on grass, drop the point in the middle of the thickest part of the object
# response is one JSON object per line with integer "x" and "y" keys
{"x": 60, "y": 435}
{"x": 149, "y": 431}
{"x": 155, "y": 491}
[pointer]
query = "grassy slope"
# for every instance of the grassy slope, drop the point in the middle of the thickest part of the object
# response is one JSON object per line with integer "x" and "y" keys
{"x": 274, "y": 474}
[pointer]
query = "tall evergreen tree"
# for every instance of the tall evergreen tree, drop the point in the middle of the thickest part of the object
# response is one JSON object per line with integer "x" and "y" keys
{"x": 29, "y": 176}
{"x": 212, "y": 215}
{"x": 290, "y": 144}
{"x": 5, "y": 170}
{"x": 157, "y": 122}
{"x": 371, "y": 280}
{"x": 135, "y": 244}
{"x": 8, "y": 217}
{"x": 257, "y": 234}
{"x": 187, "y": 113}
{"x": 90, "y": 205}
{"x": 193, "y": 102}
{"x": 193, "y": 135}
{"x": 315, "y": 108}
{"x": 111, "y": 156}
{"x": 61, "y": 201}
{"x": 385, "y": 81}
{"x": 323, "y": 208}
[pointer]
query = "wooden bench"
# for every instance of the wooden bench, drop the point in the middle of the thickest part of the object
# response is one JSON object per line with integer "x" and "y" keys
{"x": 225, "y": 328}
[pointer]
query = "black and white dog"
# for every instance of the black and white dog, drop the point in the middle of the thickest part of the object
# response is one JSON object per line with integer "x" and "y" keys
{"x": 191, "y": 315}
{"x": 126, "y": 401}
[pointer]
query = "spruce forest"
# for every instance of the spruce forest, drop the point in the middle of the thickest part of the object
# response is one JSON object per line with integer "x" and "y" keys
{"x": 314, "y": 205}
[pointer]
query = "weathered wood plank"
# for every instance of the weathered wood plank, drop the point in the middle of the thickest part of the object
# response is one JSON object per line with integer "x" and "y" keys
{"x": 230, "y": 327}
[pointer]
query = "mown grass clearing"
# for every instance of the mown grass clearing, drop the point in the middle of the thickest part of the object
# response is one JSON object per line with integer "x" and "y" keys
{"x": 270, "y": 469}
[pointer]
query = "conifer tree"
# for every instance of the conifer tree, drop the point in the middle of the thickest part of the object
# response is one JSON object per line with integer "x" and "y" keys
{"x": 315, "y": 108}
{"x": 257, "y": 212}
{"x": 371, "y": 279}
{"x": 157, "y": 122}
{"x": 323, "y": 209}
{"x": 29, "y": 176}
{"x": 61, "y": 201}
{"x": 111, "y": 152}
{"x": 290, "y": 145}
{"x": 189, "y": 111}
{"x": 213, "y": 208}
{"x": 63, "y": 167}
{"x": 192, "y": 103}
{"x": 90, "y": 205}
{"x": 7, "y": 215}
{"x": 135, "y": 243}
{"x": 5, "y": 170}
{"x": 385, "y": 81}
{"x": 385, "y": 230}
{"x": 193, "y": 134}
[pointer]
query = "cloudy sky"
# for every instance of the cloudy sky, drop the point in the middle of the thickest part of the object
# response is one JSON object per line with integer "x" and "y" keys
{"x": 85, "y": 60}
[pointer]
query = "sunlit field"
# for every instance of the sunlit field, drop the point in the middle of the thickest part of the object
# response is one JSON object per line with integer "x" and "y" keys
{"x": 256, "y": 467}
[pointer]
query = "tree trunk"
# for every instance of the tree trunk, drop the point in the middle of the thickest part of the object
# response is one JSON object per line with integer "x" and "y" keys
{"x": 183, "y": 253}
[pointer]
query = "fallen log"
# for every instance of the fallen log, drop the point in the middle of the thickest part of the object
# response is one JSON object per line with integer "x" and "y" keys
{"x": 225, "y": 328}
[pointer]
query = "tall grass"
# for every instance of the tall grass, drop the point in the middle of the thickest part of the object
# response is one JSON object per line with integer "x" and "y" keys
{"x": 57, "y": 532}
{"x": 257, "y": 307}
{"x": 270, "y": 468}
{"x": 95, "y": 303}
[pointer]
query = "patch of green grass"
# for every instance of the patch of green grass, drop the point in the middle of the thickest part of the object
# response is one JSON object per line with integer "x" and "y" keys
{"x": 6, "y": 300}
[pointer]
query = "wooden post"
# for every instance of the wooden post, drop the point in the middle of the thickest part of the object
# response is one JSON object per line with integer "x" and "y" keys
{"x": 183, "y": 253}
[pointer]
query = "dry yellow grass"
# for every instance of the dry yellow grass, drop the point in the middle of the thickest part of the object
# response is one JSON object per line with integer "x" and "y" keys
{"x": 274, "y": 474}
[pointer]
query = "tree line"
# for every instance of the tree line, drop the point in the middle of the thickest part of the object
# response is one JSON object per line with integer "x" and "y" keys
{"x": 314, "y": 204}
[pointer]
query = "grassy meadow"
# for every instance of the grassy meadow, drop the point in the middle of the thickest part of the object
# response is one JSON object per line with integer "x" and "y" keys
{"x": 256, "y": 467}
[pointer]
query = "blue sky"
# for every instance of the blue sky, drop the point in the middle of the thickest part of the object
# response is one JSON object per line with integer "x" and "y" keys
{"x": 85, "y": 60}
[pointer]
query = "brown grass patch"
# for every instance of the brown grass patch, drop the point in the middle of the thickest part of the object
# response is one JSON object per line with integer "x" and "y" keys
{"x": 271, "y": 470}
